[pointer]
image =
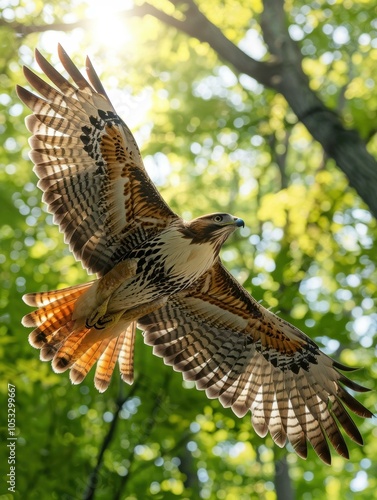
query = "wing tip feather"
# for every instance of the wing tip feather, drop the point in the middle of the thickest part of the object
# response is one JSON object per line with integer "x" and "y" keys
{"x": 77, "y": 374}
{"x": 101, "y": 384}
{"x": 128, "y": 378}
{"x": 39, "y": 58}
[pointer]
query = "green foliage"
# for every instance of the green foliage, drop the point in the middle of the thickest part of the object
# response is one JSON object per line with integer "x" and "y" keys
{"x": 212, "y": 140}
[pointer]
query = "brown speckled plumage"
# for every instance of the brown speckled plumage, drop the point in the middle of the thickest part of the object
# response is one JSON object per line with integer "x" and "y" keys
{"x": 163, "y": 274}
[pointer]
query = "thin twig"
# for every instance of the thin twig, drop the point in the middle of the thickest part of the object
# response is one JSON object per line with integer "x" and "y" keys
{"x": 93, "y": 477}
{"x": 161, "y": 395}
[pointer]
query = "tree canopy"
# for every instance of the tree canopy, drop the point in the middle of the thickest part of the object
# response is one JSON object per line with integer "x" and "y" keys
{"x": 262, "y": 109}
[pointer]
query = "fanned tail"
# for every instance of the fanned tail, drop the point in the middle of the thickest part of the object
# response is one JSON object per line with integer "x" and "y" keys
{"x": 64, "y": 339}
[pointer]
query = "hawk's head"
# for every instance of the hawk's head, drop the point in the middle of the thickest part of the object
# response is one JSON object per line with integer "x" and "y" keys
{"x": 214, "y": 228}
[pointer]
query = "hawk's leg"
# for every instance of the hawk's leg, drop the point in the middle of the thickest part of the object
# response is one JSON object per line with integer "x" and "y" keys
{"x": 99, "y": 319}
{"x": 103, "y": 291}
{"x": 133, "y": 314}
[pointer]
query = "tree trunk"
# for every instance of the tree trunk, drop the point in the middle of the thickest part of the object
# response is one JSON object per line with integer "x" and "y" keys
{"x": 283, "y": 485}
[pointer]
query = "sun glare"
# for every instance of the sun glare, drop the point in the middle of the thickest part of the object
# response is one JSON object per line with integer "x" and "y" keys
{"x": 107, "y": 30}
{"x": 112, "y": 31}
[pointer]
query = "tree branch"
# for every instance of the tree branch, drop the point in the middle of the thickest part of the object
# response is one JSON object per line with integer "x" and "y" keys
{"x": 27, "y": 29}
{"x": 140, "y": 11}
{"x": 93, "y": 477}
{"x": 283, "y": 485}
{"x": 197, "y": 25}
{"x": 149, "y": 425}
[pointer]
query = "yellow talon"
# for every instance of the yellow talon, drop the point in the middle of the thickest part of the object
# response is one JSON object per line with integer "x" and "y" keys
{"x": 107, "y": 320}
{"x": 97, "y": 314}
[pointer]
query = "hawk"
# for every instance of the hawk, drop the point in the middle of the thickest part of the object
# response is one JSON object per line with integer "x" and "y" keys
{"x": 162, "y": 274}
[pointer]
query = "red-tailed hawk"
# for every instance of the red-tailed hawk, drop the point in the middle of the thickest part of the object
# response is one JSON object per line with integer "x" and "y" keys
{"x": 164, "y": 275}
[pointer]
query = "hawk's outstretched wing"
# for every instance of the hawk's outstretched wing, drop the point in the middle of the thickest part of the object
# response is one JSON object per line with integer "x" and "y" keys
{"x": 237, "y": 351}
{"x": 90, "y": 167}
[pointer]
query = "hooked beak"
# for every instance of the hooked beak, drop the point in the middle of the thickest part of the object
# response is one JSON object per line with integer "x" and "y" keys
{"x": 239, "y": 222}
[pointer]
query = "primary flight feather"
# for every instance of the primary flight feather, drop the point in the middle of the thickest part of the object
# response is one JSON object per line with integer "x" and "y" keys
{"x": 164, "y": 275}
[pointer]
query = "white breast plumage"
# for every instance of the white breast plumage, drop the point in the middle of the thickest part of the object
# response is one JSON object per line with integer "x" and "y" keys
{"x": 186, "y": 259}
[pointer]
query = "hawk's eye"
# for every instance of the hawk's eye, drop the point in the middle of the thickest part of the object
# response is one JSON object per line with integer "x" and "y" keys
{"x": 218, "y": 218}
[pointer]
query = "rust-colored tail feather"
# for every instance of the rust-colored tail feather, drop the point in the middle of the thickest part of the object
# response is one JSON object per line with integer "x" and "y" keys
{"x": 69, "y": 344}
{"x": 82, "y": 366}
{"x": 126, "y": 355}
{"x": 106, "y": 352}
{"x": 106, "y": 363}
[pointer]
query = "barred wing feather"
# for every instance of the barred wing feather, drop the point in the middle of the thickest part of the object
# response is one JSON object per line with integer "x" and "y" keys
{"x": 90, "y": 168}
{"x": 237, "y": 351}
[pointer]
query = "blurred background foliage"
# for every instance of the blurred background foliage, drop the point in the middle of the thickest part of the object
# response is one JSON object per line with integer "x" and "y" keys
{"x": 213, "y": 140}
